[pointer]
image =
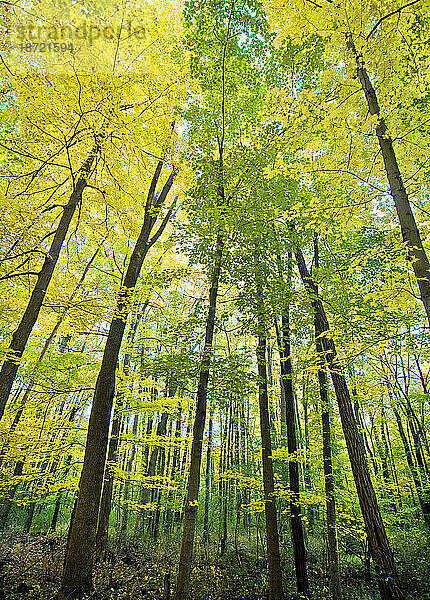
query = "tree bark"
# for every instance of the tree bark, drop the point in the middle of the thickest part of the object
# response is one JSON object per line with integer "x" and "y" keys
{"x": 79, "y": 556}
{"x": 150, "y": 471}
{"x": 140, "y": 311}
{"x": 296, "y": 522}
{"x": 410, "y": 233}
{"x": 54, "y": 520}
{"x": 7, "y": 502}
{"x": 191, "y": 502}
{"x": 333, "y": 555}
{"x": 174, "y": 469}
{"x": 388, "y": 581}
{"x": 22, "y": 333}
{"x": 226, "y": 482}
{"x": 208, "y": 482}
{"x": 106, "y": 497}
{"x": 422, "y": 499}
{"x": 273, "y": 556}
{"x": 128, "y": 469}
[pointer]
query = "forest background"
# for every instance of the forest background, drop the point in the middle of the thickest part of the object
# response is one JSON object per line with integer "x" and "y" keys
{"x": 215, "y": 300}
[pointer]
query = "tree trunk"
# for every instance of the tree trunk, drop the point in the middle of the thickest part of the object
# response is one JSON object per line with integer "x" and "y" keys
{"x": 161, "y": 471}
{"x": 140, "y": 310}
{"x": 364, "y": 436}
{"x": 408, "y": 225}
{"x": 226, "y": 482}
{"x": 7, "y": 502}
{"x": 54, "y": 520}
{"x": 29, "y": 518}
{"x": 388, "y": 581}
{"x": 333, "y": 558}
{"x": 273, "y": 556}
{"x": 129, "y": 469}
{"x": 150, "y": 471}
{"x": 191, "y": 502}
{"x": 22, "y": 333}
{"x": 79, "y": 556}
{"x": 48, "y": 342}
{"x": 297, "y": 532}
{"x": 333, "y": 555}
{"x": 208, "y": 482}
{"x": 174, "y": 470}
{"x": 106, "y": 498}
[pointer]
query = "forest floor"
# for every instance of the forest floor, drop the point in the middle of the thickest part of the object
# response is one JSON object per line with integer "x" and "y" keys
{"x": 30, "y": 568}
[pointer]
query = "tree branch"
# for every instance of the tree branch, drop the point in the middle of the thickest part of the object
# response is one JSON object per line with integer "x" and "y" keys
{"x": 398, "y": 10}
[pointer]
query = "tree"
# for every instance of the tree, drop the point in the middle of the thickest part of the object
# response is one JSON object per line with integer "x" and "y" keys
{"x": 273, "y": 557}
{"x": 388, "y": 581}
{"x": 293, "y": 466}
{"x": 215, "y": 45}
{"x": 410, "y": 233}
{"x": 22, "y": 333}
{"x": 78, "y": 562}
{"x": 333, "y": 558}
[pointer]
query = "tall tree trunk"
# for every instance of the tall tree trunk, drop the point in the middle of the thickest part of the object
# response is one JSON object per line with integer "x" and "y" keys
{"x": 271, "y": 406}
{"x": 333, "y": 555}
{"x": 128, "y": 469}
{"x": 364, "y": 436}
{"x": 161, "y": 471}
{"x": 48, "y": 342}
{"x": 140, "y": 310}
{"x": 140, "y": 519}
{"x": 312, "y": 512}
{"x": 297, "y": 533}
{"x": 393, "y": 466}
{"x": 381, "y": 447}
{"x": 106, "y": 497}
{"x": 79, "y": 556}
{"x": 273, "y": 556}
{"x": 22, "y": 333}
{"x": 388, "y": 581}
{"x": 57, "y": 506}
{"x": 55, "y": 514}
{"x": 29, "y": 519}
{"x": 146, "y": 491}
{"x": 174, "y": 471}
{"x": 222, "y": 483}
{"x": 226, "y": 482}
{"x": 185, "y": 452}
{"x": 408, "y": 225}
{"x": 418, "y": 446}
{"x": 208, "y": 481}
{"x": 191, "y": 502}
